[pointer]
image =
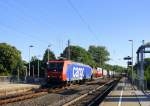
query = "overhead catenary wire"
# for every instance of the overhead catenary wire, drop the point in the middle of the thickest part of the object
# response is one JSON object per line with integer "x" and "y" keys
{"x": 21, "y": 9}
{"x": 83, "y": 19}
{"x": 23, "y": 34}
{"x": 48, "y": 26}
{"x": 58, "y": 38}
{"x": 31, "y": 18}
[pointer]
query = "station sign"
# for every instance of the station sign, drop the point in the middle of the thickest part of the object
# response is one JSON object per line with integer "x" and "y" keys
{"x": 127, "y": 58}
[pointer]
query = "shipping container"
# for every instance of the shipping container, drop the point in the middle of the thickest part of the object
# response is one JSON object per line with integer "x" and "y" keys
{"x": 99, "y": 72}
{"x": 77, "y": 71}
{"x": 105, "y": 73}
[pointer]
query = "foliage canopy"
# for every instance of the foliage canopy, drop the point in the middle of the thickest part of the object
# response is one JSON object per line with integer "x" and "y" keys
{"x": 10, "y": 58}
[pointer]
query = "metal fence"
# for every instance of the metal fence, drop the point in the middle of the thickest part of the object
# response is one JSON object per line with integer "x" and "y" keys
{"x": 10, "y": 79}
{"x": 145, "y": 85}
{"x": 5, "y": 79}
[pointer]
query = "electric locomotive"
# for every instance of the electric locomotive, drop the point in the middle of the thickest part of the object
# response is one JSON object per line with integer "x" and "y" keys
{"x": 67, "y": 71}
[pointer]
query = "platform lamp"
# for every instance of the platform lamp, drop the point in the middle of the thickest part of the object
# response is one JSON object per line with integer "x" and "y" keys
{"x": 29, "y": 58}
{"x": 132, "y": 59}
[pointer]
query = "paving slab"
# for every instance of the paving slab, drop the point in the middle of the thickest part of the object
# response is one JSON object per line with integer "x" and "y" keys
{"x": 125, "y": 95}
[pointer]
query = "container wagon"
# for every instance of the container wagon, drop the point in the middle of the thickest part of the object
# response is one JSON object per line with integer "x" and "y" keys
{"x": 100, "y": 72}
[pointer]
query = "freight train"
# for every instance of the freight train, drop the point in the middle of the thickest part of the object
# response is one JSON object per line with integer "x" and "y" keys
{"x": 67, "y": 71}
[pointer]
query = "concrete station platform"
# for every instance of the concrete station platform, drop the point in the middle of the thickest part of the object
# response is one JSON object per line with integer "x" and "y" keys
{"x": 6, "y": 89}
{"x": 125, "y": 95}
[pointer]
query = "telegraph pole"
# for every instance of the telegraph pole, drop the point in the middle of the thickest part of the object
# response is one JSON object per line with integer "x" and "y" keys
{"x": 68, "y": 49}
{"x": 38, "y": 66}
{"x": 18, "y": 74}
{"x": 33, "y": 70}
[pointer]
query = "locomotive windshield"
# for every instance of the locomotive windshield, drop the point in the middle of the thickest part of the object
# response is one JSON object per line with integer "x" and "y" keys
{"x": 56, "y": 66}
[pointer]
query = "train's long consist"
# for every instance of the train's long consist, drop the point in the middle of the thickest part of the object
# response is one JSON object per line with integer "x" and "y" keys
{"x": 68, "y": 71}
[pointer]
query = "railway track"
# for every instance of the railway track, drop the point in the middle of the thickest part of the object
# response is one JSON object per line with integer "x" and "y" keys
{"x": 22, "y": 96}
{"x": 93, "y": 97}
{"x": 44, "y": 92}
{"x": 32, "y": 94}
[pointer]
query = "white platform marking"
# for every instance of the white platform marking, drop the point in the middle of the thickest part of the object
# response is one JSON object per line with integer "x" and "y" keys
{"x": 120, "y": 99}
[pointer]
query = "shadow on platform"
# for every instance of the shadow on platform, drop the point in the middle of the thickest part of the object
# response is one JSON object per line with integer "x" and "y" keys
{"x": 128, "y": 98}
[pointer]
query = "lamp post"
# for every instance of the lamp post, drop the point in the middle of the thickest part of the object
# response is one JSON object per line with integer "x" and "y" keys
{"x": 132, "y": 59}
{"x": 29, "y": 58}
{"x": 26, "y": 73}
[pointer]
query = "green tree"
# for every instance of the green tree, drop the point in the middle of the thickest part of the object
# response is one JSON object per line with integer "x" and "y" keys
{"x": 51, "y": 56}
{"x": 147, "y": 76}
{"x": 99, "y": 54}
{"x": 10, "y": 58}
{"x": 108, "y": 67}
{"x": 118, "y": 68}
{"x": 147, "y": 71}
{"x": 34, "y": 64}
{"x": 78, "y": 54}
{"x": 43, "y": 63}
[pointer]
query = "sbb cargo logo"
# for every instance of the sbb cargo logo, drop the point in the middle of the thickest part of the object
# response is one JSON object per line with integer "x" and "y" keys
{"x": 78, "y": 72}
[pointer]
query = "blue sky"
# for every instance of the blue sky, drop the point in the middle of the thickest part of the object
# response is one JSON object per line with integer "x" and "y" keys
{"x": 43, "y": 22}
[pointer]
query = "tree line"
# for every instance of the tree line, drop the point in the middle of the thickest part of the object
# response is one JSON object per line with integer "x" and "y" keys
{"x": 11, "y": 61}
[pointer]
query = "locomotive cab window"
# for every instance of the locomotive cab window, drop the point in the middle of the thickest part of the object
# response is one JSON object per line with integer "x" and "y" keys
{"x": 56, "y": 66}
